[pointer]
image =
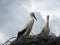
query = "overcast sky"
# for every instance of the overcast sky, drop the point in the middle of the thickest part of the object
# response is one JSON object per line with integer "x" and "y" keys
{"x": 13, "y": 13}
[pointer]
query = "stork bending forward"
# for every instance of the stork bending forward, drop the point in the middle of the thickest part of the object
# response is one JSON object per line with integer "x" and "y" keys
{"x": 26, "y": 28}
{"x": 45, "y": 29}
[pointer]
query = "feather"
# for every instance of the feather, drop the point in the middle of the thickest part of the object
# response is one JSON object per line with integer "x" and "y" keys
{"x": 20, "y": 33}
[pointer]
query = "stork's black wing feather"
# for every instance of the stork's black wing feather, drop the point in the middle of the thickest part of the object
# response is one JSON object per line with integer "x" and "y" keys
{"x": 20, "y": 33}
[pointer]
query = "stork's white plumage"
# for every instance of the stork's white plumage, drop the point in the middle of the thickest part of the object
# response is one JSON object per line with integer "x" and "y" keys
{"x": 26, "y": 28}
{"x": 45, "y": 28}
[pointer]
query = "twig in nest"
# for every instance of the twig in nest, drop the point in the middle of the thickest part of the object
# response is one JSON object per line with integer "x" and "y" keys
{"x": 8, "y": 40}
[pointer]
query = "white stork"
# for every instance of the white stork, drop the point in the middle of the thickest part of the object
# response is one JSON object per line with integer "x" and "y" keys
{"x": 45, "y": 29}
{"x": 26, "y": 28}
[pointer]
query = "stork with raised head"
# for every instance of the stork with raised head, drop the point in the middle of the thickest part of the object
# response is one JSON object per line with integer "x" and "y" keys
{"x": 26, "y": 28}
{"x": 45, "y": 29}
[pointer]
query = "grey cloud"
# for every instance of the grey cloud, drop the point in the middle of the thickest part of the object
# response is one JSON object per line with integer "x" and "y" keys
{"x": 52, "y": 4}
{"x": 55, "y": 26}
{"x": 11, "y": 17}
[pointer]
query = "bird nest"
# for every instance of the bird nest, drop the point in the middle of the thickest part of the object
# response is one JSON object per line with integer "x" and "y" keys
{"x": 36, "y": 40}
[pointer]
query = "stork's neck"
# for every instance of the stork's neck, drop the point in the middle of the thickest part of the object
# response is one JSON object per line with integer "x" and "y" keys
{"x": 47, "y": 22}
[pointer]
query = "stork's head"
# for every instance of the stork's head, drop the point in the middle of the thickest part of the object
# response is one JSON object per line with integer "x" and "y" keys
{"x": 47, "y": 17}
{"x": 33, "y": 15}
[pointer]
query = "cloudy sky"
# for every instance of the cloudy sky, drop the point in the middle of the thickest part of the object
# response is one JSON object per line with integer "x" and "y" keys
{"x": 13, "y": 13}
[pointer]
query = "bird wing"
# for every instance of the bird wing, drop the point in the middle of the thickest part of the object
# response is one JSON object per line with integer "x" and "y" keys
{"x": 23, "y": 27}
{"x": 22, "y": 30}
